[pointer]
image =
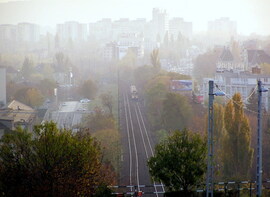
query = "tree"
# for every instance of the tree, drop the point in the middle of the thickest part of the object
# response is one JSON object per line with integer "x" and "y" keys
{"x": 34, "y": 98}
{"x": 176, "y": 113}
{"x": 88, "y": 89}
{"x": 107, "y": 100}
{"x": 27, "y": 68}
{"x": 155, "y": 60}
{"x": 205, "y": 64}
{"x": 166, "y": 39}
{"x": 110, "y": 143}
{"x": 29, "y": 96}
{"x": 99, "y": 121}
{"x": 62, "y": 62}
{"x": 265, "y": 68}
{"x": 129, "y": 59}
{"x": 46, "y": 86}
{"x": 219, "y": 134}
{"x": 155, "y": 93}
{"x": 50, "y": 162}
{"x": 143, "y": 74}
{"x": 237, "y": 152}
{"x": 253, "y": 101}
{"x": 179, "y": 161}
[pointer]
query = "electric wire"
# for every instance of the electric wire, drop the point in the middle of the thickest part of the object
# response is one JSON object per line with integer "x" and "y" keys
{"x": 244, "y": 107}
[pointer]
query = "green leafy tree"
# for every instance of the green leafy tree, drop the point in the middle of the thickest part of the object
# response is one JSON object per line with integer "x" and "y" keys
{"x": 107, "y": 101}
{"x": 237, "y": 151}
{"x": 154, "y": 96}
{"x": 110, "y": 143}
{"x": 176, "y": 113}
{"x": 50, "y": 162}
{"x": 27, "y": 68}
{"x": 155, "y": 59}
{"x": 46, "y": 86}
{"x": 179, "y": 161}
{"x": 99, "y": 121}
{"x": 143, "y": 74}
{"x": 62, "y": 62}
{"x": 88, "y": 89}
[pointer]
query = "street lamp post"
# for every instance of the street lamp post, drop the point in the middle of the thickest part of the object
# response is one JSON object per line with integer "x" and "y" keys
{"x": 210, "y": 146}
{"x": 259, "y": 141}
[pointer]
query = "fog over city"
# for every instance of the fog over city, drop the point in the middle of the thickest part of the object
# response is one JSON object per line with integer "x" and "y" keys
{"x": 134, "y": 98}
{"x": 250, "y": 15}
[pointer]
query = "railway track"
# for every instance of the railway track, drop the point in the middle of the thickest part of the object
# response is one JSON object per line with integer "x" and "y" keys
{"x": 138, "y": 149}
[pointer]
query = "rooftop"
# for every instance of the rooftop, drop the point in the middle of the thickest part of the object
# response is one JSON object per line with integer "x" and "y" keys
{"x": 18, "y": 112}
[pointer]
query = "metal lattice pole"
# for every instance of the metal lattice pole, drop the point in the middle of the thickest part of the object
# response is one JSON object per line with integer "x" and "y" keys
{"x": 259, "y": 143}
{"x": 209, "y": 179}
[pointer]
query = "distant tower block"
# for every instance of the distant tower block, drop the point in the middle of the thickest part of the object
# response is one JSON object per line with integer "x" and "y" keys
{"x": 3, "y": 97}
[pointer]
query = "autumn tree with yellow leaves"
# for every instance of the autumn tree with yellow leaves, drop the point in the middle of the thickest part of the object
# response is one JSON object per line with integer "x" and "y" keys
{"x": 237, "y": 153}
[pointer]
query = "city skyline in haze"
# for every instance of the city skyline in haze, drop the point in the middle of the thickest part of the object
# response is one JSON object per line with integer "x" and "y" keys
{"x": 250, "y": 15}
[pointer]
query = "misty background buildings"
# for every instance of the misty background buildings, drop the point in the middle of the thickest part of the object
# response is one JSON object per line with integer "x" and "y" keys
{"x": 125, "y": 33}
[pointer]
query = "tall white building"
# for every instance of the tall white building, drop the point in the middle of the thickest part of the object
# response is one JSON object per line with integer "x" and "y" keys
{"x": 160, "y": 20}
{"x": 28, "y": 32}
{"x": 178, "y": 25}
{"x": 222, "y": 29}
{"x": 72, "y": 30}
{"x": 101, "y": 30}
{"x": 3, "y": 97}
{"x": 8, "y": 32}
{"x": 131, "y": 41}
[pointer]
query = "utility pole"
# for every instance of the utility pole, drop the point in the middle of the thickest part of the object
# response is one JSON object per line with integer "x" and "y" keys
{"x": 209, "y": 179}
{"x": 210, "y": 141}
{"x": 259, "y": 141}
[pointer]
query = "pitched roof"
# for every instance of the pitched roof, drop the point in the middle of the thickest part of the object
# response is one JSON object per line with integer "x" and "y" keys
{"x": 226, "y": 55}
{"x": 258, "y": 57}
{"x": 18, "y": 112}
{"x": 16, "y": 105}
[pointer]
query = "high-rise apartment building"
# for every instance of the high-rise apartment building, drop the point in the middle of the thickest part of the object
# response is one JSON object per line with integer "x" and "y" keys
{"x": 179, "y": 26}
{"x": 160, "y": 22}
{"x": 222, "y": 29}
{"x": 72, "y": 30}
{"x": 101, "y": 30}
{"x": 28, "y": 32}
{"x": 8, "y": 32}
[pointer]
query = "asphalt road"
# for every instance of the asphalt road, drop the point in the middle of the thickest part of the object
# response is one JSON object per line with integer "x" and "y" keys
{"x": 138, "y": 147}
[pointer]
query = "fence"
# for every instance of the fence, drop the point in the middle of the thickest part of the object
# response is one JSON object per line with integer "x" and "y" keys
{"x": 221, "y": 189}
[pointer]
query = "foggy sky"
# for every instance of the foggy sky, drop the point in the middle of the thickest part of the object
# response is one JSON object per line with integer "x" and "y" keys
{"x": 250, "y": 15}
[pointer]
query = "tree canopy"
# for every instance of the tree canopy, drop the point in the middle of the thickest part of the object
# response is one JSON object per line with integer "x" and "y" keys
{"x": 253, "y": 101}
{"x": 237, "y": 152}
{"x": 29, "y": 96}
{"x": 107, "y": 100}
{"x": 27, "y": 68}
{"x": 176, "y": 112}
{"x": 155, "y": 59}
{"x": 179, "y": 161}
{"x": 88, "y": 89}
{"x": 50, "y": 162}
{"x": 99, "y": 121}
